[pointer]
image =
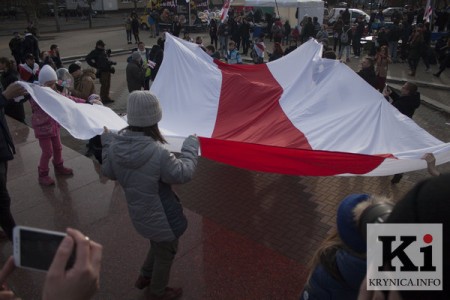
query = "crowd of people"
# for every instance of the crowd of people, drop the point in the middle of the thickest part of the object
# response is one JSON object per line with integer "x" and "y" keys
{"x": 407, "y": 37}
{"x": 399, "y": 40}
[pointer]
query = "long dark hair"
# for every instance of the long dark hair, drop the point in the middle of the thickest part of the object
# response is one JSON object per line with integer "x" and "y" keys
{"x": 151, "y": 131}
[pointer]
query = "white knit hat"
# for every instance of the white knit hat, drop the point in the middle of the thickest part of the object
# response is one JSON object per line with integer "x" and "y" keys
{"x": 47, "y": 74}
{"x": 143, "y": 109}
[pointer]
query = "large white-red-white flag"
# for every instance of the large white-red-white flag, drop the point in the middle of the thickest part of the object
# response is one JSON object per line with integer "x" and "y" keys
{"x": 428, "y": 12}
{"x": 300, "y": 114}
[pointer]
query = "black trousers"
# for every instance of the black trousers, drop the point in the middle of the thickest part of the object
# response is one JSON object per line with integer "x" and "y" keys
{"x": 6, "y": 218}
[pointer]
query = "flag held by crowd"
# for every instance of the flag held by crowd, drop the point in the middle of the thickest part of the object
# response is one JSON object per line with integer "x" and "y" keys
{"x": 299, "y": 115}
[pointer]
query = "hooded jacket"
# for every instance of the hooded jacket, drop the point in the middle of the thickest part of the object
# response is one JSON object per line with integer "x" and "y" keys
{"x": 135, "y": 76}
{"x": 323, "y": 286}
{"x": 146, "y": 170}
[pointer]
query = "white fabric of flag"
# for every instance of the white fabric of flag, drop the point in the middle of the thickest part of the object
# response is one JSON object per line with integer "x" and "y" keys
{"x": 300, "y": 114}
{"x": 82, "y": 121}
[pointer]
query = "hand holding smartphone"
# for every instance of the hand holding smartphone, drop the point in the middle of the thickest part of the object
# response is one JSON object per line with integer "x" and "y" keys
{"x": 80, "y": 282}
{"x": 35, "y": 248}
{"x": 69, "y": 276}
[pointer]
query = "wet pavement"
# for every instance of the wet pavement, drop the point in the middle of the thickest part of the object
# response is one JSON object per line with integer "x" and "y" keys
{"x": 251, "y": 234}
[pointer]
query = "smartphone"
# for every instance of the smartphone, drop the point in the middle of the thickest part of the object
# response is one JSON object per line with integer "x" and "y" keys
{"x": 35, "y": 248}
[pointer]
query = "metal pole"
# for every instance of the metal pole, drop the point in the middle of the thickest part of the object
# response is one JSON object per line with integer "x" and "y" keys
{"x": 189, "y": 16}
{"x": 278, "y": 12}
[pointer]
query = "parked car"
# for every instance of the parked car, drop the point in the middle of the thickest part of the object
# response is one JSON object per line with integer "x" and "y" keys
{"x": 61, "y": 10}
{"x": 371, "y": 6}
{"x": 388, "y": 12}
{"x": 354, "y": 14}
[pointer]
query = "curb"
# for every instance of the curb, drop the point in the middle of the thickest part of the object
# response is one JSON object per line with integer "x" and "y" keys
{"x": 418, "y": 83}
{"x": 74, "y": 58}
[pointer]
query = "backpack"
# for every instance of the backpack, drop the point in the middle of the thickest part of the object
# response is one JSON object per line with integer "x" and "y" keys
{"x": 344, "y": 36}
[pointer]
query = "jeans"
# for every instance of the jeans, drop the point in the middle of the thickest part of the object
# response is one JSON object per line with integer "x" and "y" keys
{"x": 357, "y": 46}
{"x": 337, "y": 42}
{"x": 6, "y": 218}
{"x": 223, "y": 42}
{"x": 152, "y": 30}
{"x": 345, "y": 48}
{"x": 424, "y": 56}
{"x": 158, "y": 263}
{"x": 214, "y": 40}
{"x": 105, "y": 82}
{"x": 413, "y": 62}
{"x": 245, "y": 44}
{"x": 136, "y": 36}
{"x": 393, "y": 50}
{"x": 128, "y": 35}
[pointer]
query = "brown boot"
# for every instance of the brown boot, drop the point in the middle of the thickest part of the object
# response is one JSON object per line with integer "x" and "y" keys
{"x": 61, "y": 170}
{"x": 142, "y": 282}
{"x": 44, "y": 179}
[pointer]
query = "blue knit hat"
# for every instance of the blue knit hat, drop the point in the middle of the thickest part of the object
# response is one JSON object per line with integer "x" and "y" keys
{"x": 347, "y": 227}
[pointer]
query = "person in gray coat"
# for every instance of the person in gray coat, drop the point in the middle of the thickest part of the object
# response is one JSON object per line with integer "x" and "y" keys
{"x": 135, "y": 73}
{"x": 138, "y": 160}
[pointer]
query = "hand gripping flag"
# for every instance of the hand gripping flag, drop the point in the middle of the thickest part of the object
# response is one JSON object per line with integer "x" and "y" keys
{"x": 300, "y": 115}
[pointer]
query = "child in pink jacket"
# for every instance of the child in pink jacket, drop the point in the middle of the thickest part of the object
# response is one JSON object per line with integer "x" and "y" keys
{"x": 47, "y": 131}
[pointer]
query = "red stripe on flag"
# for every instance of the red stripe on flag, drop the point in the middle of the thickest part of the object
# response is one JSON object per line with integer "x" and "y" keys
{"x": 288, "y": 161}
{"x": 249, "y": 109}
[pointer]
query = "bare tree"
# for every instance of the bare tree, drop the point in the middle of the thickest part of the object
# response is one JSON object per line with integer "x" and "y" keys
{"x": 89, "y": 2}
{"x": 135, "y": 2}
{"x": 56, "y": 14}
{"x": 31, "y": 8}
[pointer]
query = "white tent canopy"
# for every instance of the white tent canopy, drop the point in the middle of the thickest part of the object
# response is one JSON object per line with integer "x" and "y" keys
{"x": 287, "y": 8}
{"x": 271, "y": 3}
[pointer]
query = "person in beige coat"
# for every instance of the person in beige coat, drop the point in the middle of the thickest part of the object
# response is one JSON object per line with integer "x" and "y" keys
{"x": 83, "y": 81}
{"x": 382, "y": 61}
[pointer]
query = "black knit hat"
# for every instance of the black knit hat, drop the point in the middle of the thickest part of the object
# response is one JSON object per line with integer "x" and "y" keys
{"x": 74, "y": 68}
